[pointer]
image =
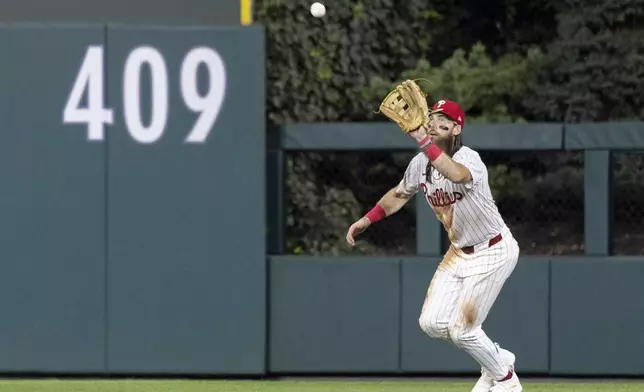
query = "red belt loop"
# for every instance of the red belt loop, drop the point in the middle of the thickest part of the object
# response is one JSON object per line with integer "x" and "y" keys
{"x": 494, "y": 240}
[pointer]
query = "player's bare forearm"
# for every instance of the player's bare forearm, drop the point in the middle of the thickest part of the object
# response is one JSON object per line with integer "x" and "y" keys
{"x": 392, "y": 201}
{"x": 389, "y": 204}
{"x": 451, "y": 169}
{"x": 441, "y": 161}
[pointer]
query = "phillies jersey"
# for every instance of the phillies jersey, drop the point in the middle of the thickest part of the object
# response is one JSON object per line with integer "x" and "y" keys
{"x": 466, "y": 210}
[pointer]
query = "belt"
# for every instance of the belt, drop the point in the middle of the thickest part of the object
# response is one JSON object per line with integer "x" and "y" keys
{"x": 494, "y": 240}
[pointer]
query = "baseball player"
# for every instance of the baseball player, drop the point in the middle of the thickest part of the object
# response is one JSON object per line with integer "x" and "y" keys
{"x": 482, "y": 254}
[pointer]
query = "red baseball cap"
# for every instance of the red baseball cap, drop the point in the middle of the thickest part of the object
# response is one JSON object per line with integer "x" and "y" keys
{"x": 451, "y": 110}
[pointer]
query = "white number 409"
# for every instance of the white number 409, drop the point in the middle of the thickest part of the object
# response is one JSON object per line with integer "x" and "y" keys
{"x": 91, "y": 79}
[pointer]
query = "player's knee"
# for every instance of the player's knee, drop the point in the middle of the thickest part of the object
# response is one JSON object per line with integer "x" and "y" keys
{"x": 433, "y": 326}
{"x": 462, "y": 336}
{"x": 456, "y": 335}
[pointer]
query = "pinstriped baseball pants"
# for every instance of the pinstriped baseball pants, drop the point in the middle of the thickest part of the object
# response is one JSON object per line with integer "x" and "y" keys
{"x": 461, "y": 294}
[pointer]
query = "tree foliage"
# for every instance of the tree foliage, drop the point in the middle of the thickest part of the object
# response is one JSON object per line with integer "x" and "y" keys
{"x": 502, "y": 60}
{"x": 318, "y": 68}
{"x": 488, "y": 90}
{"x": 595, "y": 68}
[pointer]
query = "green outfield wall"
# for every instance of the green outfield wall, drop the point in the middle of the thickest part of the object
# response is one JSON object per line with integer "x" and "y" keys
{"x": 129, "y": 240}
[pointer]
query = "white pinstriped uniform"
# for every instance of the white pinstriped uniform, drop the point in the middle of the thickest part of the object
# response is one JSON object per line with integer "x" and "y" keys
{"x": 464, "y": 286}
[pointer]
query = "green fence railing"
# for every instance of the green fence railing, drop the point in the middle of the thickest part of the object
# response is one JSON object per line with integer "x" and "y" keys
{"x": 598, "y": 141}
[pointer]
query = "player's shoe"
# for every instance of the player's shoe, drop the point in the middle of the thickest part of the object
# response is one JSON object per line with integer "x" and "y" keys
{"x": 510, "y": 385}
{"x": 486, "y": 382}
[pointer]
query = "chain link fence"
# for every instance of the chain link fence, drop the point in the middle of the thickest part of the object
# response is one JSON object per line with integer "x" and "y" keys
{"x": 327, "y": 191}
{"x": 628, "y": 203}
{"x": 540, "y": 196}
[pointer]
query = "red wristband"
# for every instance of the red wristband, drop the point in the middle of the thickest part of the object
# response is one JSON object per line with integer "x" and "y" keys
{"x": 424, "y": 143}
{"x": 430, "y": 149}
{"x": 376, "y": 213}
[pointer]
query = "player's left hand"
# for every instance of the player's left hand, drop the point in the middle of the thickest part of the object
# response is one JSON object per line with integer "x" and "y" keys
{"x": 420, "y": 133}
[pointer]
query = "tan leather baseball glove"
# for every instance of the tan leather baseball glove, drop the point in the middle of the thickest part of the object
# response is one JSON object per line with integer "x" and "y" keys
{"x": 406, "y": 106}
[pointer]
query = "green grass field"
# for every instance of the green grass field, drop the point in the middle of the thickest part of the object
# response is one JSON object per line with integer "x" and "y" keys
{"x": 293, "y": 386}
